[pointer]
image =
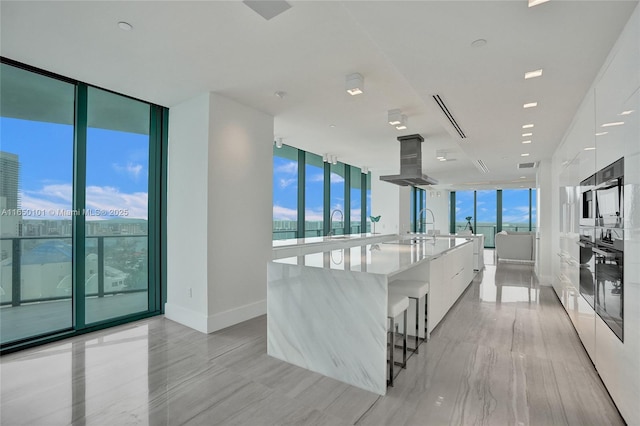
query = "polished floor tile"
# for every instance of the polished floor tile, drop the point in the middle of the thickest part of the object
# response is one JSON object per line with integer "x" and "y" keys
{"x": 506, "y": 353}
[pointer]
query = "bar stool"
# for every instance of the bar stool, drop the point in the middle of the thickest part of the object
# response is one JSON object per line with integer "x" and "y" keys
{"x": 396, "y": 305}
{"x": 413, "y": 289}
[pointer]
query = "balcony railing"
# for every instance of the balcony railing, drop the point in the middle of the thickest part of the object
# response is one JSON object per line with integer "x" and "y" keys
{"x": 53, "y": 288}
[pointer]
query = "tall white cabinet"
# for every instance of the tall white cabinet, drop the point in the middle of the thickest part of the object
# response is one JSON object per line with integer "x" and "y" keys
{"x": 588, "y": 147}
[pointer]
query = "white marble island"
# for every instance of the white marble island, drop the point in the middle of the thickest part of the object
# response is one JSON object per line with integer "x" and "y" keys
{"x": 327, "y": 311}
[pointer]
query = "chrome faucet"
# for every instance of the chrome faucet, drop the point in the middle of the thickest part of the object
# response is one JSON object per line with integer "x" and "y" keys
{"x": 433, "y": 222}
{"x": 331, "y": 220}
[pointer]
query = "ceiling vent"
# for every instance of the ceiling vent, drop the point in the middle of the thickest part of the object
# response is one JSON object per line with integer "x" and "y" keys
{"x": 267, "y": 8}
{"x": 528, "y": 165}
{"x": 447, "y": 113}
{"x": 481, "y": 166}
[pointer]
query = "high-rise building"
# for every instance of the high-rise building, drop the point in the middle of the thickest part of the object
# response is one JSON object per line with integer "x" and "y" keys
{"x": 9, "y": 178}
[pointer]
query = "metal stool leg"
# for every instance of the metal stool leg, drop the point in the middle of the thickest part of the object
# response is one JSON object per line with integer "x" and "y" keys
{"x": 393, "y": 338}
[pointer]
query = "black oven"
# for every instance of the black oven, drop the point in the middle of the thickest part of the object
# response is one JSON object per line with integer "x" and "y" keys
{"x": 609, "y": 299}
{"x": 608, "y": 249}
{"x": 587, "y": 201}
{"x": 587, "y": 264}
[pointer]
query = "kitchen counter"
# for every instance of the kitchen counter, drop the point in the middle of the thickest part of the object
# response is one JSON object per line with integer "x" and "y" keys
{"x": 327, "y": 311}
{"x": 300, "y": 246}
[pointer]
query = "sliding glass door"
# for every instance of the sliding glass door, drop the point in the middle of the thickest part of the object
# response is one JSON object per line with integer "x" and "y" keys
{"x": 81, "y": 207}
{"x": 36, "y": 174}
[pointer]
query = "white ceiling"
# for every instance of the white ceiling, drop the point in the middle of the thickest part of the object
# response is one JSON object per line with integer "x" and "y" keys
{"x": 406, "y": 51}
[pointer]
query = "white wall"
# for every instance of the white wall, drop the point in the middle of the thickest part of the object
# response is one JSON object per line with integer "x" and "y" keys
{"x": 240, "y": 209}
{"x": 187, "y": 222}
{"x": 385, "y": 199}
{"x": 219, "y": 212}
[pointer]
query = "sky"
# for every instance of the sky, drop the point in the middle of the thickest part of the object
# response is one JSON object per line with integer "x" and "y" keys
{"x": 117, "y": 167}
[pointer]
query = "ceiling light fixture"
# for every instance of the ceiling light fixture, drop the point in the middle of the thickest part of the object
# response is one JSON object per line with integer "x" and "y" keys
{"x": 279, "y": 143}
{"x": 325, "y": 158}
{"x": 280, "y": 94}
{"x": 403, "y": 123}
{"x": 526, "y": 154}
{"x": 530, "y": 105}
{"x": 479, "y": 42}
{"x": 532, "y": 74}
{"x": 536, "y": 2}
{"x": 524, "y": 135}
{"x": 627, "y": 112}
{"x": 527, "y": 126}
{"x": 590, "y": 148}
{"x": 365, "y": 170}
{"x": 394, "y": 116}
{"x": 334, "y": 160}
{"x": 601, "y": 133}
{"x": 523, "y": 177}
{"x": 615, "y": 123}
{"x": 355, "y": 84}
{"x": 125, "y": 26}
{"x": 526, "y": 141}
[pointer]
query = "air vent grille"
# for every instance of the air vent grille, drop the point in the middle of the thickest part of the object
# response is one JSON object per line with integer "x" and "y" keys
{"x": 528, "y": 165}
{"x": 447, "y": 113}
{"x": 481, "y": 166}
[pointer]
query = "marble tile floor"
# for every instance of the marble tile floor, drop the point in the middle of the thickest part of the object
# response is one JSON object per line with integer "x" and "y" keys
{"x": 505, "y": 354}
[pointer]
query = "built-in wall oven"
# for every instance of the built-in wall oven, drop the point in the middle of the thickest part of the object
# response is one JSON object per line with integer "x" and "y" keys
{"x": 608, "y": 248}
{"x": 587, "y": 239}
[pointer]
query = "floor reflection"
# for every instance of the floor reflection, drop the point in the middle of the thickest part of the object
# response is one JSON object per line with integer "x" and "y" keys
{"x": 511, "y": 282}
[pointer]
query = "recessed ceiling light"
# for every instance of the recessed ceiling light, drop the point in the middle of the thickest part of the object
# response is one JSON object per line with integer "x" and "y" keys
{"x": 479, "y": 42}
{"x": 332, "y": 125}
{"x": 532, "y": 74}
{"x": 280, "y": 94}
{"x": 442, "y": 159}
{"x": 627, "y": 112}
{"x": 394, "y": 116}
{"x": 536, "y": 2}
{"x": 526, "y": 154}
{"x": 615, "y": 123}
{"x": 523, "y": 177}
{"x": 601, "y": 133}
{"x": 590, "y": 148}
{"x": 125, "y": 26}
{"x": 403, "y": 122}
{"x": 530, "y": 105}
{"x": 526, "y": 141}
{"x": 527, "y": 126}
{"x": 524, "y": 135}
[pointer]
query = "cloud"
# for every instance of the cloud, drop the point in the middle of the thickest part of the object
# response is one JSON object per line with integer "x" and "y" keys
{"x": 132, "y": 170}
{"x": 313, "y": 215}
{"x": 316, "y": 178}
{"x": 58, "y": 197}
{"x": 290, "y": 167}
{"x": 284, "y": 213}
{"x": 284, "y": 183}
{"x": 335, "y": 178}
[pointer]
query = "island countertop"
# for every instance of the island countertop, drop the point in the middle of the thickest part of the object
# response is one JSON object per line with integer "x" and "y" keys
{"x": 384, "y": 258}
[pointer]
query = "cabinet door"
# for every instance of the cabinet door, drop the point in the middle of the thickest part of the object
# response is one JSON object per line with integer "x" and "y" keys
{"x": 438, "y": 292}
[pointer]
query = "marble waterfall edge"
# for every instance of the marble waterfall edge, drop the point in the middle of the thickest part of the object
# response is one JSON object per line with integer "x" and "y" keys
{"x": 329, "y": 321}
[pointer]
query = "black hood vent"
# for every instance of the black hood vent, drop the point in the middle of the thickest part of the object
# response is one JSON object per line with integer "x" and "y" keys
{"x": 410, "y": 164}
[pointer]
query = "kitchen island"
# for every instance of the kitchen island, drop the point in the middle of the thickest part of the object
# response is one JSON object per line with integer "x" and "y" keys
{"x": 327, "y": 311}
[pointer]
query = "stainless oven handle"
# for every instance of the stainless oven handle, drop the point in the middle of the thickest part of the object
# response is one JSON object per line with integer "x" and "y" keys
{"x": 602, "y": 252}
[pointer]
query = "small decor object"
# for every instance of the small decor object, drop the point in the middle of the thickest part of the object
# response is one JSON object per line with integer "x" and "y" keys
{"x": 468, "y": 225}
{"x": 374, "y": 220}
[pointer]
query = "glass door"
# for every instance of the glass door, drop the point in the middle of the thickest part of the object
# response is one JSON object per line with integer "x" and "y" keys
{"x": 117, "y": 210}
{"x": 36, "y": 165}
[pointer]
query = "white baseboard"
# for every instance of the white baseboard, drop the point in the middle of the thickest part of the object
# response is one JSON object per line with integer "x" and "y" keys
{"x": 186, "y": 317}
{"x": 237, "y": 315}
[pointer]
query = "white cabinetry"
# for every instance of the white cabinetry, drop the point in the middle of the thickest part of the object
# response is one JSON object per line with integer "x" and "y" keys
{"x": 449, "y": 276}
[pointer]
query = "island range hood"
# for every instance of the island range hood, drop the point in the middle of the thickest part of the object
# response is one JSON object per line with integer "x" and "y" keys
{"x": 410, "y": 164}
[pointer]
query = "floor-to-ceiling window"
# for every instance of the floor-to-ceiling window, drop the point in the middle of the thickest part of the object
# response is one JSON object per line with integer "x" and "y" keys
{"x": 486, "y": 217}
{"x": 418, "y": 220}
{"x": 515, "y": 210}
{"x": 81, "y": 202}
{"x": 368, "y": 212}
{"x": 285, "y": 192}
{"x": 313, "y": 195}
{"x": 337, "y": 198}
{"x": 356, "y": 200}
{"x": 490, "y": 211}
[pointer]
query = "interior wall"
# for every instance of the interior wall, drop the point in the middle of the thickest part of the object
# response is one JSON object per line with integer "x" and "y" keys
{"x": 384, "y": 202}
{"x": 187, "y": 225}
{"x": 240, "y": 211}
{"x": 219, "y": 212}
